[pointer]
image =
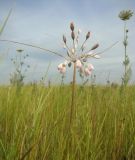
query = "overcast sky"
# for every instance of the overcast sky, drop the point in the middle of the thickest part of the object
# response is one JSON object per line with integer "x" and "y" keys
{"x": 43, "y": 22}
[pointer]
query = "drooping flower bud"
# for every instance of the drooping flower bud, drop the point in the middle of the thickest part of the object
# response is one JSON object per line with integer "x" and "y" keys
{"x": 72, "y": 26}
{"x": 87, "y": 35}
{"x": 64, "y": 39}
{"x": 95, "y": 46}
{"x": 69, "y": 64}
{"x": 73, "y": 35}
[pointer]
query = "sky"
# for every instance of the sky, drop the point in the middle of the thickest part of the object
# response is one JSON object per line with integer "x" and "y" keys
{"x": 43, "y": 23}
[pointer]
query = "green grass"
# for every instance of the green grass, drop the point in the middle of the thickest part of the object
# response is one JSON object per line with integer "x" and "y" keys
{"x": 34, "y": 123}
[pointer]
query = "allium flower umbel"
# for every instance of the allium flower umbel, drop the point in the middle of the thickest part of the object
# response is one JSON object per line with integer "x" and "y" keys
{"x": 78, "y": 55}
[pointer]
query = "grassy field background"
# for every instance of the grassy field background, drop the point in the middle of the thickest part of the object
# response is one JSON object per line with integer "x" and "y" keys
{"x": 34, "y": 123}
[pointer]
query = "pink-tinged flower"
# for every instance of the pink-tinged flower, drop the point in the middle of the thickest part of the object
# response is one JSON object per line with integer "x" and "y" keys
{"x": 78, "y": 64}
{"x": 87, "y": 71}
{"x": 62, "y": 68}
{"x": 90, "y": 67}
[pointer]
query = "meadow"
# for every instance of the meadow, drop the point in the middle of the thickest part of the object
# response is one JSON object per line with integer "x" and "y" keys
{"x": 68, "y": 121}
{"x": 35, "y": 124}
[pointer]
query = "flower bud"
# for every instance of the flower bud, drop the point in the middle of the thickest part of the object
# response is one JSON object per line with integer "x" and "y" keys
{"x": 97, "y": 56}
{"x": 73, "y": 35}
{"x": 95, "y": 46}
{"x": 69, "y": 64}
{"x": 87, "y": 35}
{"x": 64, "y": 39}
{"x": 72, "y": 26}
{"x": 127, "y": 30}
{"x": 90, "y": 53}
{"x": 19, "y": 50}
{"x": 75, "y": 46}
{"x": 78, "y": 64}
{"x": 79, "y": 31}
{"x": 73, "y": 51}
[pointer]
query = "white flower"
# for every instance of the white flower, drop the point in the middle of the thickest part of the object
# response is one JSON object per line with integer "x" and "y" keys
{"x": 90, "y": 53}
{"x": 97, "y": 56}
{"x": 62, "y": 68}
{"x": 78, "y": 64}
{"x": 79, "y": 31}
{"x": 73, "y": 50}
{"x": 90, "y": 67}
{"x": 64, "y": 46}
{"x": 76, "y": 46}
{"x": 87, "y": 71}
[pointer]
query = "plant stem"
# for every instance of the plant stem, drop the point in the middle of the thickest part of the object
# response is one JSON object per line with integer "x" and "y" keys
{"x": 125, "y": 50}
{"x": 73, "y": 94}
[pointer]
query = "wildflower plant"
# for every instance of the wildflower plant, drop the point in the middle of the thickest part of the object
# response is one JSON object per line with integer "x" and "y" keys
{"x": 126, "y": 15}
{"x": 17, "y": 77}
{"x": 75, "y": 56}
{"x": 78, "y": 57}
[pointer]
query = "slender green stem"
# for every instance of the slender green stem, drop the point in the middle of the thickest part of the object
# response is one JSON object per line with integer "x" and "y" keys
{"x": 73, "y": 94}
{"x": 125, "y": 54}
